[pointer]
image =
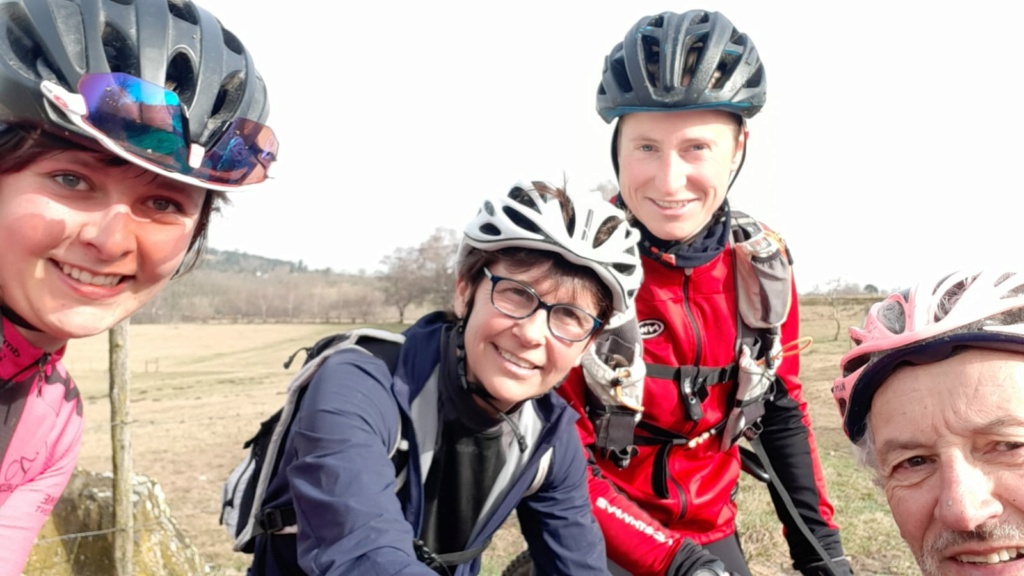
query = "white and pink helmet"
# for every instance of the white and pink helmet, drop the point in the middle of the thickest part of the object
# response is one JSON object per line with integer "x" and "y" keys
{"x": 982, "y": 308}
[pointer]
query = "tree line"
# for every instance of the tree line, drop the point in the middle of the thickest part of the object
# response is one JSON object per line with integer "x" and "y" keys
{"x": 231, "y": 286}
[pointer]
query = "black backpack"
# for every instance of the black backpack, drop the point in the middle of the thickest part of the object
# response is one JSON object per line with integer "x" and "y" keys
{"x": 245, "y": 488}
{"x": 242, "y": 511}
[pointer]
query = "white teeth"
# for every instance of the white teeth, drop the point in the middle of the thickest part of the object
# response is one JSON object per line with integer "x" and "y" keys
{"x": 88, "y": 278}
{"x": 671, "y": 205}
{"x": 1003, "y": 555}
{"x": 517, "y": 361}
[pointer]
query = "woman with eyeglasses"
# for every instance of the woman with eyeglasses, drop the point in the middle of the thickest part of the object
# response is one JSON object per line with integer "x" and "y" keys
{"x": 122, "y": 125}
{"x": 539, "y": 273}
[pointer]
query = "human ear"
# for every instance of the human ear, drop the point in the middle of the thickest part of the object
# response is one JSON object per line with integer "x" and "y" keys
{"x": 461, "y": 302}
{"x": 741, "y": 144}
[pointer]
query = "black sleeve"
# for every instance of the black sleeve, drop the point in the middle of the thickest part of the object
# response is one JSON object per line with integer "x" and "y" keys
{"x": 786, "y": 442}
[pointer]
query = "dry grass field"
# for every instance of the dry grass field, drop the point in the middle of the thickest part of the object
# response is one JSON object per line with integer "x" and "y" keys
{"x": 199, "y": 391}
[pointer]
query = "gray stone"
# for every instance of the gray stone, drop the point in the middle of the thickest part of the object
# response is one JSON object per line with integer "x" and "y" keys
{"x": 78, "y": 539}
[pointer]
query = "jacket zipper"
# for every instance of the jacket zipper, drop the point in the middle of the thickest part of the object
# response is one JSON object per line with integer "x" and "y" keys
{"x": 687, "y": 388}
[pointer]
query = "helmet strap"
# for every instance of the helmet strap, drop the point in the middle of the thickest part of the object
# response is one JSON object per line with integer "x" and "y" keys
{"x": 16, "y": 319}
{"x": 458, "y": 345}
{"x": 743, "y": 154}
{"x": 615, "y": 151}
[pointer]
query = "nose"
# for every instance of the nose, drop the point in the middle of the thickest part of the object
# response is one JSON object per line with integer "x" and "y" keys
{"x": 672, "y": 173}
{"x": 967, "y": 498}
{"x": 533, "y": 329}
{"x": 110, "y": 232}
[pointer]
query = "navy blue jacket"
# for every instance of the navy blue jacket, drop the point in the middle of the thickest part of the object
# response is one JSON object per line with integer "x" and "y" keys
{"x": 342, "y": 482}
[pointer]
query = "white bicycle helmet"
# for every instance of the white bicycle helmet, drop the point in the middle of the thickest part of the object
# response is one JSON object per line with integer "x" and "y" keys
{"x": 982, "y": 309}
{"x": 525, "y": 218}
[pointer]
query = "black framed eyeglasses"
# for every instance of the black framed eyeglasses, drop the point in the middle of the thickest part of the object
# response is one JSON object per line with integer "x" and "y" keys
{"x": 517, "y": 300}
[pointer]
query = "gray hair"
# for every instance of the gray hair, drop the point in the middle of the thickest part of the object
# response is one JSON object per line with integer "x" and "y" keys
{"x": 866, "y": 455}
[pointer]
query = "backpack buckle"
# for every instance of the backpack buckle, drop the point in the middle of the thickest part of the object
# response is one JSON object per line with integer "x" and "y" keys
{"x": 270, "y": 520}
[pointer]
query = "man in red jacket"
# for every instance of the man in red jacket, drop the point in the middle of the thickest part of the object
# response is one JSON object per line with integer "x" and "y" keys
{"x": 681, "y": 87}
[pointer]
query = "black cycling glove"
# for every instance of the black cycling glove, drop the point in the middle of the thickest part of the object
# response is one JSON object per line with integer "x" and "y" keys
{"x": 693, "y": 560}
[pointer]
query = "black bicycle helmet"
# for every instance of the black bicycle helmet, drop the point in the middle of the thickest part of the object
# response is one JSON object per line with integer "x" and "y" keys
{"x": 171, "y": 43}
{"x": 690, "y": 61}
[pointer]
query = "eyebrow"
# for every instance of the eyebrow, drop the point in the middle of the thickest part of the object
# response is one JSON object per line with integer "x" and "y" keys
{"x": 991, "y": 427}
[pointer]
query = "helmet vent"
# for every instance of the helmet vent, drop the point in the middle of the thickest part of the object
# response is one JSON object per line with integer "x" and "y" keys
{"x": 123, "y": 2}
{"x": 656, "y": 22}
{"x": 756, "y": 79}
{"x": 617, "y": 70}
{"x": 183, "y": 11}
{"x": 119, "y": 53}
{"x": 950, "y": 297}
{"x": 522, "y": 197}
{"x": 231, "y": 42}
{"x": 624, "y": 269}
{"x": 490, "y": 230}
{"x": 651, "y": 58}
{"x": 25, "y": 49}
{"x": 723, "y": 72}
{"x": 704, "y": 18}
{"x": 181, "y": 78}
{"x": 855, "y": 364}
{"x": 605, "y": 230}
{"x": 520, "y": 221}
{"x": 569, "y": 215}
{"x": 228, "y": 99}
{"x": 1013, "y": 292}
{"x": 893, "y": 316}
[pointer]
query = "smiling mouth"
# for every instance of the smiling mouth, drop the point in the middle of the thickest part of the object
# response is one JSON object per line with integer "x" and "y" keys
{"x": 515, "y": 360}
{"x": 675, "y": 205}
{"x": 104, "y": 280}
{"x": 1004, "y": 555}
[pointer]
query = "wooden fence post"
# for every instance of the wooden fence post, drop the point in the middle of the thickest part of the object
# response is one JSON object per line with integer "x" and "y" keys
{"x": 120, "y": 436}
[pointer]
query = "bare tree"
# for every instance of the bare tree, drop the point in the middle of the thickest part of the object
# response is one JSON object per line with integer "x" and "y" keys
{"x": 834, "y": 289}
{"x": 437, "y": 257}
{"x": 402, "y": 280}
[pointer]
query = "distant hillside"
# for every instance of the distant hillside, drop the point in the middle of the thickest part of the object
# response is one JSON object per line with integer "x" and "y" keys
{"x": 232, "y": 261}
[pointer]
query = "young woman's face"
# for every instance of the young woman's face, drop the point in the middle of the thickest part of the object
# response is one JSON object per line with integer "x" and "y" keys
{"x": 519, "y": 359}
{"x": 85, "y": 244}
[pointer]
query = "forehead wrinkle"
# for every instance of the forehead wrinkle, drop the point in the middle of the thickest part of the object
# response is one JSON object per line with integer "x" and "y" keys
{"x": 994, "y": 427}
{"x": 1001, "y": 425}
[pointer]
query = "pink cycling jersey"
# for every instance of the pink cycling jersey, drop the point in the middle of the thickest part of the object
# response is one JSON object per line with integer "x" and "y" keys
{"x": 40, "y": 434}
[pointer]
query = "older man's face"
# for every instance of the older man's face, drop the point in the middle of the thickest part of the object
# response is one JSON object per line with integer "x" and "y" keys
{"x": 950, "y": 447}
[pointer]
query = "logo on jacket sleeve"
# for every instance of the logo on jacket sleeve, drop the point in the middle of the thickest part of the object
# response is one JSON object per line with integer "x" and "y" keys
{"x": 651, "y": 328}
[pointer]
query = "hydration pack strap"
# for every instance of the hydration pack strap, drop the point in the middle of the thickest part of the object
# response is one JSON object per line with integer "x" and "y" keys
{"x": 272, "y": 520}
{"x": 440, "y": 563}
{"x": 613, "y": 428}
{"x": 693, "y": 383}
{"x": 825, "y": 558}
{"x": 666, "y": 439}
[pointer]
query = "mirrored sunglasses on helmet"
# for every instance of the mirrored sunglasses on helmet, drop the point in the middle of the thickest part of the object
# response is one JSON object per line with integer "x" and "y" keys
{"x": 146, "y": 124}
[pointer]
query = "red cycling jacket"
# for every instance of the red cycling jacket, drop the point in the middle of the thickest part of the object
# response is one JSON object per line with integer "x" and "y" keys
{"x": 688, "y": 317}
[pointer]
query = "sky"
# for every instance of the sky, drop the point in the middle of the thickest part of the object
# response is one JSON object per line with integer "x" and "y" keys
{"x": 888, "y": 148}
